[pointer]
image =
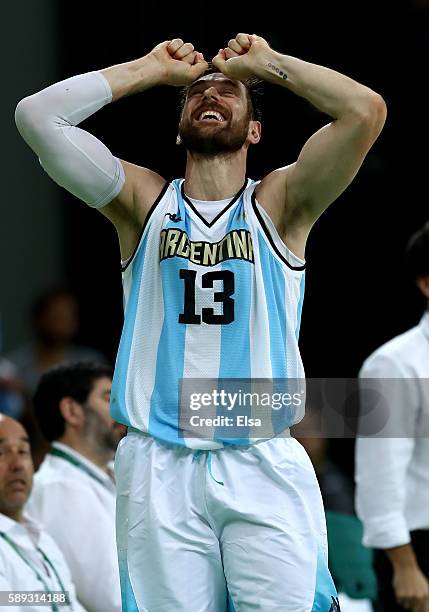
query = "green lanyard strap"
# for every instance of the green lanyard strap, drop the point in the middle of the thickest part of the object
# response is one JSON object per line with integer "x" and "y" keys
{"x": 60, "y": 453}
{"x": 54, "y": 606}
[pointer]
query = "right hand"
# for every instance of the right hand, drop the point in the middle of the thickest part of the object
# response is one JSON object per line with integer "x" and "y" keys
{"x": 179, "y": 63}
{"x": 411, "y": 588}
{"x": 245, "y": 56}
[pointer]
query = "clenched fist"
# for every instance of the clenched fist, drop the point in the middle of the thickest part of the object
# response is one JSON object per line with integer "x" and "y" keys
{"x": 243, "y": 58}
{"x": 179, "y": 63}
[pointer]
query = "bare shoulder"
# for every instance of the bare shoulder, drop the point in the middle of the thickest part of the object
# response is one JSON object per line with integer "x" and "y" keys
{"x": 272, "y": 194}
{"x": 271, "y": 190}
{"x": 129, "y": 209}
{"x": 289, "y": 220}
{"x": 147, "y": 183}
{"x": 141, "y": 188}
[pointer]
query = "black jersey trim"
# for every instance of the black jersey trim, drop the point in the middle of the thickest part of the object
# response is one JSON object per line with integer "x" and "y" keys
{"x": 234, "y": 199}
{"x": 270, "y": 238}
{"x": 149, "y": 214}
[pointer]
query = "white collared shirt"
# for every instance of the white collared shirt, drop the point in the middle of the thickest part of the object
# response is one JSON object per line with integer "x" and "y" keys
{"x": 78, "y": 511}
{"x": 392, "y": 473}
{"x": 18, "y": 575}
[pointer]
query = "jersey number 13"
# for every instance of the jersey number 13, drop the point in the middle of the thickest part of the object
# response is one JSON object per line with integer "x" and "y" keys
{"x": 189, "y": 316}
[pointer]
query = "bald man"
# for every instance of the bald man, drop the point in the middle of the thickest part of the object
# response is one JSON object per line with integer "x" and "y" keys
{"x": 30, "y": 560}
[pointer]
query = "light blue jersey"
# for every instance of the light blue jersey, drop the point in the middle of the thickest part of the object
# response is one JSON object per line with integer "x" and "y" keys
{"x": 212, "y": 300}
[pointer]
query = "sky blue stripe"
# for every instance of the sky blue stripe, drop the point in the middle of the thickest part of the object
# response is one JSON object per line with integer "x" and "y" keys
{"x": 118, "y": 407}
{"x": 164, "y": 403}
{"x": 129, "y": 603}
{"x": 300, "y": 303}
{"x": 274, "y": 285}
{"x": 235, "y": 337}
{"x": 276, "y": 296}
{"x": 325, "y": 587}
{"x": 230, "y": 604}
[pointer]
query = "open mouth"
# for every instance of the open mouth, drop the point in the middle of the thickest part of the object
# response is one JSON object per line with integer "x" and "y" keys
{"x": 211, "y": 115}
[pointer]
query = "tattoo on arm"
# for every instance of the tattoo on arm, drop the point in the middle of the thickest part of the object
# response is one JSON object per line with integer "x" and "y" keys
{"x": 278, "y": 70}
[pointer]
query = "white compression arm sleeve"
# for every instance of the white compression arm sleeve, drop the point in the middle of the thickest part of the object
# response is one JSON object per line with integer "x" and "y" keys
{"x": 73, "y": 158}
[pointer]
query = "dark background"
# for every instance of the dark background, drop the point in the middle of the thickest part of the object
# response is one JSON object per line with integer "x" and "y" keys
{"x": 357, "y": 295}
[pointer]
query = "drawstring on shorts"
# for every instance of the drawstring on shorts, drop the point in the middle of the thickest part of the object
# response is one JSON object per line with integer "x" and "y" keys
{"x": 198, "y": 454}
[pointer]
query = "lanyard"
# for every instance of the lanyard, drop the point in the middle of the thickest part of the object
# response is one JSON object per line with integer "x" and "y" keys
{"x": 39, "y": 577}
{"x": 60, "y": 453}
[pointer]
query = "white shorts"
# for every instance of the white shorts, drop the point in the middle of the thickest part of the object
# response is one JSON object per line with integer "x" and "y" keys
{"x": 195, "y": 526}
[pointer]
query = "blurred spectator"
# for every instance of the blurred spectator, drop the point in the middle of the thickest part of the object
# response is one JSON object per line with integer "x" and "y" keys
{"x": 74, "y": 491}
{"x": 12, "y": 401}
{"x": 392, "y": 474}
{"x": 55, "y": 322}
{"x": 29, "y": 558}
{"x": 15, "y": 402}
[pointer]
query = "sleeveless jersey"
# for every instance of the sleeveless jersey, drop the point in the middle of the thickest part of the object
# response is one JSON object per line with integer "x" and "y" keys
{"x": 205, "y": 300}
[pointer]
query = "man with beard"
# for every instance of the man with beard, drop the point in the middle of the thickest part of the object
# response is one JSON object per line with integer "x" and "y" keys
{"x": 74, "y": 493}
{"x": 213, "y": 277}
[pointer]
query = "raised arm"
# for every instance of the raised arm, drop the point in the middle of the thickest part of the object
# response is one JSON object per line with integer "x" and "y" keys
{"x": 297, "y": 194}
{"x": 78, "y": 161}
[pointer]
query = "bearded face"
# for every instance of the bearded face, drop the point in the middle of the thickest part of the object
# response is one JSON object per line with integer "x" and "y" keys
{"x": 100, "y": 430}
{"x": 215, "y": 118}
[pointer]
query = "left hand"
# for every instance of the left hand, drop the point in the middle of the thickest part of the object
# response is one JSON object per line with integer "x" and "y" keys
{"x": 243, "y": 58}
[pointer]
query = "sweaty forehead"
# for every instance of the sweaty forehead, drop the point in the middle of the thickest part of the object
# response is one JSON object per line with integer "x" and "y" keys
{"x": 215, "y": 78}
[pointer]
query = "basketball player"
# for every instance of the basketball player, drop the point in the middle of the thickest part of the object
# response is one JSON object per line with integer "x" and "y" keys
{"x": 213, "y": 276}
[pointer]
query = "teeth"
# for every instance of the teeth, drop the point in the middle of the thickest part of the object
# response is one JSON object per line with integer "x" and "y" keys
{"x": 211, "y": 113}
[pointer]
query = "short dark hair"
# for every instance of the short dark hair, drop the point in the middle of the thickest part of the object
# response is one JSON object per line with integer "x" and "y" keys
{"x": 417, "y": 252}
{"x": 254, "y": 89}
{"x": 75, "y": 380}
